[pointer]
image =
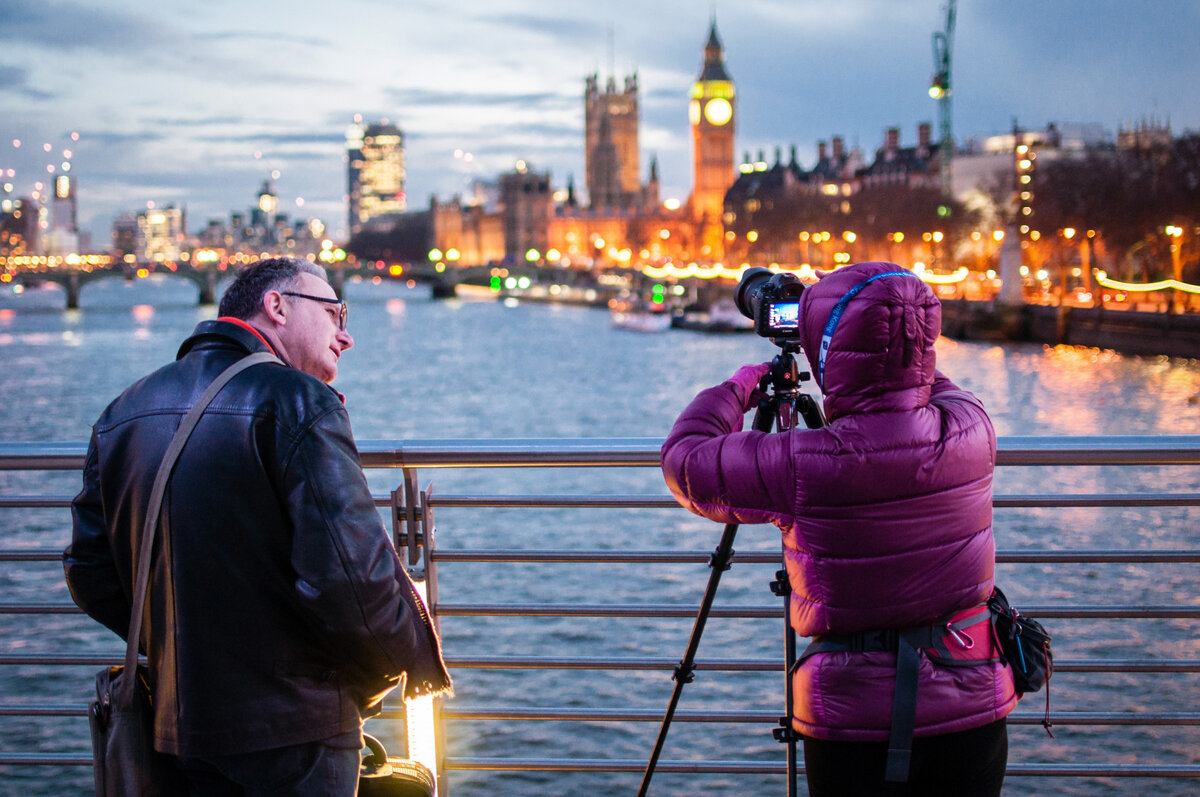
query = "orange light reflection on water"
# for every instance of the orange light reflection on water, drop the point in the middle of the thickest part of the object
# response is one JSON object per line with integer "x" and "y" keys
{"x": 142, "y": 312}
{"x": 1092, "y": 384}
{"x": 1069, "y": 390}
{"x": 396, "y": 307}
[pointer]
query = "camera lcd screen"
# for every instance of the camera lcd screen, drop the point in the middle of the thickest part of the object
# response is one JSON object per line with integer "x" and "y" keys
{"x": 783, "y": 316}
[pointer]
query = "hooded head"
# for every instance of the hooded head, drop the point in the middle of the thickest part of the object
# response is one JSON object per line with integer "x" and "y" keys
{"x": 877, "y": 324}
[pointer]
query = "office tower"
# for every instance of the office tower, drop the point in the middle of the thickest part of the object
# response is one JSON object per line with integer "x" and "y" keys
{"x": 62, "y": 237}
{"x": 712, "y": 113}
{"x": 375, "y": 157}
{"x": 263, "y": 216}
{"x": 63, "y": 216}
{"x": 159, "y": 235}
{"x": 611, "y": 143}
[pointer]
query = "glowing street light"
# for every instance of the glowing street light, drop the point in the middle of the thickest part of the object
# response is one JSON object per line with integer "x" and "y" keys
{"x": 1176, "y": 266}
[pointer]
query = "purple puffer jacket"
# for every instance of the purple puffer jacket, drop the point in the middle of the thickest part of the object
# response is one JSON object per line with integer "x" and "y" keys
{"x": 886, "y": 512}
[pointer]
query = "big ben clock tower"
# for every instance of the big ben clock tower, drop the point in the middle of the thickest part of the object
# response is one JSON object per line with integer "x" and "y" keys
{"x": 712, "y": 113}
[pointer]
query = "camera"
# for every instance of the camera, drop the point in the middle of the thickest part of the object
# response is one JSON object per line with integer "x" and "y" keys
{"x": 772, "y": 301}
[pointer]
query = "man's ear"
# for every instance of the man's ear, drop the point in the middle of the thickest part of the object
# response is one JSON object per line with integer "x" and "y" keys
{"x": 274, "y": 308}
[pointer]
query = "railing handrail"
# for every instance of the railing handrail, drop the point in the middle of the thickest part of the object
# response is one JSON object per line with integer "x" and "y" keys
{"x": 411, "y": 455}
{"x": 644, "y": 452}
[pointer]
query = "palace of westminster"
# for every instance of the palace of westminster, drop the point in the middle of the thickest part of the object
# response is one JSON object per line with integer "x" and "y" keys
{"x": 522, "y": 218}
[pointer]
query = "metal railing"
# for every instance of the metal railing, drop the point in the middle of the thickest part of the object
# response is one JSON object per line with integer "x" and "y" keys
{"x": 412, "y": 510}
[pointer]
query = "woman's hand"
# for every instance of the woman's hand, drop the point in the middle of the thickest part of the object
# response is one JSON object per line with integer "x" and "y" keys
{"x": 747, "y": 384}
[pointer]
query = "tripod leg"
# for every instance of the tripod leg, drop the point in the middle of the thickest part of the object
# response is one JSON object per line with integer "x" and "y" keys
{"x": 684, "y": 670}
{"x": 764, "y": 419}
{"x": 785, "y": 733}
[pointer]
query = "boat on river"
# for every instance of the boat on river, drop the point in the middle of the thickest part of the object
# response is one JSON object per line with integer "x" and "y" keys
{"x": 722, "y": 316}
{"x": 639, "y": 315}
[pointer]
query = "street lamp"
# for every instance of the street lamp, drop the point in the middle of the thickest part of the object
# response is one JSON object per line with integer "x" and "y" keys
{"x": 1175, "y": 234}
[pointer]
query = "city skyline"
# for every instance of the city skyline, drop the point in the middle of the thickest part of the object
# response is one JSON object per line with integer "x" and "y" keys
{"x": 197, "y": 107}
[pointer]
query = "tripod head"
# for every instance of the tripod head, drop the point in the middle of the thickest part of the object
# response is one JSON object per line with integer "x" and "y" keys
{"x": 784, "y": 399}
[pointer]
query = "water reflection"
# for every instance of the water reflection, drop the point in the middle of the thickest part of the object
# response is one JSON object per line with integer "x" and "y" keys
{"x": 425, "y": 369}
{"x": 1031, "y": 389}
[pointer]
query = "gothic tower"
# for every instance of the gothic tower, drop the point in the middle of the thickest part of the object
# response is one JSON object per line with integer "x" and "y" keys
{"x": 712, "y": 113}
{"x": 611, "y": 147}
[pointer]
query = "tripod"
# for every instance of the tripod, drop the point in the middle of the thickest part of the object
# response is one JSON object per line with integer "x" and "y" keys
{"x": 784, "y": 403}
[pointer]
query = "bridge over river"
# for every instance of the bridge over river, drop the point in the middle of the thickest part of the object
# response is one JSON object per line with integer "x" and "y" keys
{"x": 443, "y": 279}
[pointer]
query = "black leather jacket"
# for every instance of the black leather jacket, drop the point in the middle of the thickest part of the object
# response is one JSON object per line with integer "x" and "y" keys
{"x": 279, "y": 611}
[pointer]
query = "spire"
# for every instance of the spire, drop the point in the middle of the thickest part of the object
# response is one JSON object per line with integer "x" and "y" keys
{"x": 713, "y": 49}
{"x": 714, "y": 56}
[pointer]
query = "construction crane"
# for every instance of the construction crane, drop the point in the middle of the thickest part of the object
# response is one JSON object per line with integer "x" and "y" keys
{"x": 939, "y": 89}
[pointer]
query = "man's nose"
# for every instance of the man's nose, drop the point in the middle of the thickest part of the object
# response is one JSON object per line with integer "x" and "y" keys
{"x": 344, "y": 339}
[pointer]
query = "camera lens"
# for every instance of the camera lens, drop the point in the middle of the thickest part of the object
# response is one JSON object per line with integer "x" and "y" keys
{"x": 749, "y": 291}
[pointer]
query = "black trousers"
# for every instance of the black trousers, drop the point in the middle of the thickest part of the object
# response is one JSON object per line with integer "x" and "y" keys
{"x": 317, "y": 769}
{"x": 969, "y": 763}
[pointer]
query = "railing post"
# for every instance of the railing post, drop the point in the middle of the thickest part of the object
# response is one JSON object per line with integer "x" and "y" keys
{"x": 412, "y": 530}
{"x": 429, "y": 535}
{"x": 406, "y": 517}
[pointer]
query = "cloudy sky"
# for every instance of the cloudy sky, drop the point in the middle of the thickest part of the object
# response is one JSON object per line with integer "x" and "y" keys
{"x": 197, "y": 103}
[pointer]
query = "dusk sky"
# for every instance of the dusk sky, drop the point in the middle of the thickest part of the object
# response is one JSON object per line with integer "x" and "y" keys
{"x": 196, "y": 104}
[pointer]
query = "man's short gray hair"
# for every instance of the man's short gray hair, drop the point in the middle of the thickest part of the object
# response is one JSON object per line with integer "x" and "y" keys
{"x": 244, "y": 296}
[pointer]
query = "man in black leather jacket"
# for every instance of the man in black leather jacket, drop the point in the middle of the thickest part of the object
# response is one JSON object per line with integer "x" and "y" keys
{"x": 279, "y": 613}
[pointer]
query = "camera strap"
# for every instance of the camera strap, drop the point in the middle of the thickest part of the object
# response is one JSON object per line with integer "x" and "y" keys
{"x": 835, "y": 316}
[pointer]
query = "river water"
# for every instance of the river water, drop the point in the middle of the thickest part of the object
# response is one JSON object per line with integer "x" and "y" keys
{"x": 488, "y": 369}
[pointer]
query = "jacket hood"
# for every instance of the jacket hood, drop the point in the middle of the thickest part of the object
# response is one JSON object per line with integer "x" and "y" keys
{"x": 878, "y": 323}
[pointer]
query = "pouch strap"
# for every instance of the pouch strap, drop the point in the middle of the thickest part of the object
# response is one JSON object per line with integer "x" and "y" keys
{"x": 904, "y": 711}
{"x": 154, "y": 510}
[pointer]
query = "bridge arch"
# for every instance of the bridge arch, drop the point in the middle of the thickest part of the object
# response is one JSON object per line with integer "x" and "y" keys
{"x": 80, "y": 289}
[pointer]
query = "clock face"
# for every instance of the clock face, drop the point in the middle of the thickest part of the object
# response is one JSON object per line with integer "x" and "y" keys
{"x": 718, "y": 111}
{"x": 694, "y": 112}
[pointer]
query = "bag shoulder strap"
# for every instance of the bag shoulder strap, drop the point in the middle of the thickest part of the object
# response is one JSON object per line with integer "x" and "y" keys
{"x": 154, "y": 508}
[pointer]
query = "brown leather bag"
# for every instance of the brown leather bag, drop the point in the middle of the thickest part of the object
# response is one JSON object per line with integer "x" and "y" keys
{"x": 387, "y": 776}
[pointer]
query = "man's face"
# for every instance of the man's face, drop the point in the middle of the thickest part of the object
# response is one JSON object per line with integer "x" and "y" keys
{"x": 312, "y": 338}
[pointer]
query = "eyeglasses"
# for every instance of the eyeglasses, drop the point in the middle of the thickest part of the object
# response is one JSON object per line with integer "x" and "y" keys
{"x": 342, "y": 313}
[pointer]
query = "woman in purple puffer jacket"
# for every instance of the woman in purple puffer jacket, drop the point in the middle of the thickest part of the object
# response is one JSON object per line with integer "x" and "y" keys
{"x": 886, "y": 515}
